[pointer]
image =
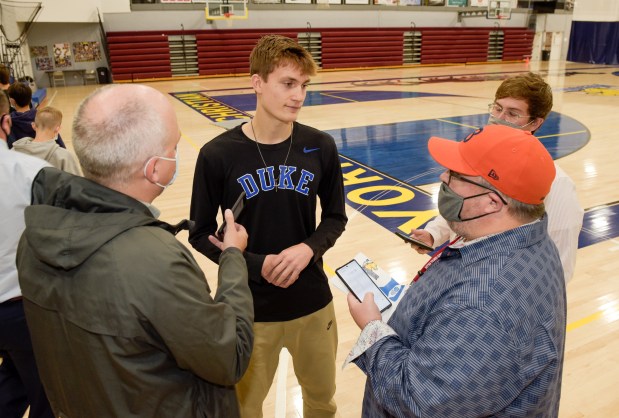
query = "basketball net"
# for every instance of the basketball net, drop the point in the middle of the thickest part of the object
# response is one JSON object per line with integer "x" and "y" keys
{"x": 228, "y": 19}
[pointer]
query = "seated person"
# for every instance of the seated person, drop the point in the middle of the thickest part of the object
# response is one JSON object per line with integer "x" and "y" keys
{"x": 47, "y": 125}
{"x": 20, "y": 95}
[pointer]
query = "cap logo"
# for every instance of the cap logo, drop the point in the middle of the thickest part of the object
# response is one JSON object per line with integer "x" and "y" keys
{"x": 472, "y": 134}
{"x": 493, "y": 175}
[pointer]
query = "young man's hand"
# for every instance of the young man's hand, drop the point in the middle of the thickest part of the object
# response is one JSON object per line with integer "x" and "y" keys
{"x": 283, "y": 269}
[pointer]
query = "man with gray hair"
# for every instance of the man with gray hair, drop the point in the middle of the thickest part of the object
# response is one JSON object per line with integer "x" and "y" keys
{"x": 120, "y": 314}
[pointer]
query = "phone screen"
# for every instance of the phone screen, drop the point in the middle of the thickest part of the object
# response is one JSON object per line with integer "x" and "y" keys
{"x": 359, "y": 283}
{"x": 237, "y": 208}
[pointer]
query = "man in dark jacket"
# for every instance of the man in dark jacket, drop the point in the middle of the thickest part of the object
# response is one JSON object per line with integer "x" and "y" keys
{"x": 120, "y": 314}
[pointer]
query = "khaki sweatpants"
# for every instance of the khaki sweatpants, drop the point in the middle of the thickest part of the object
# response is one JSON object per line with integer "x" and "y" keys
{"x": 312, "y": 343}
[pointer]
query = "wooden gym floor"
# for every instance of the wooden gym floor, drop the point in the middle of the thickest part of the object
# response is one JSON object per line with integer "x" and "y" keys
{"x": 381, "y": 120}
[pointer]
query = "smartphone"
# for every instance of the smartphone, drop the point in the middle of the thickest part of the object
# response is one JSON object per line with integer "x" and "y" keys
{"x": 237, "y": 208}
{"x": 359, "y": 283}
{"x": 413, "y": 241}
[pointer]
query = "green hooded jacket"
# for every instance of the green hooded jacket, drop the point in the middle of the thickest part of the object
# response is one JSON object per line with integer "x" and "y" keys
{"x": 121, "y": 317}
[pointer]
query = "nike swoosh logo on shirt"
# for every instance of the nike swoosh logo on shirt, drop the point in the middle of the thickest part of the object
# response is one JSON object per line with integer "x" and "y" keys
{"x": 308, "y": 150}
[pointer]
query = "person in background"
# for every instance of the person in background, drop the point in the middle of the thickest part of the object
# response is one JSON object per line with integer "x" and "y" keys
{"x": 283, "y": 167}
{"x": 47, "y": 124}
{"x": 482, "y": 331}
{"x": 121, "y": 316}
{"x": 5, "y": 82}
{"x": 20, "y": 385}
{"x": 24, "y": 114}
{"x": 524, "y": 102}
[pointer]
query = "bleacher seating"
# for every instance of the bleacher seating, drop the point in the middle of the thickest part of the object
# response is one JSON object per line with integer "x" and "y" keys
{"x": 146, "y": 55}
{"x": 137, "y": 56}
{"x": 518, "y": 43}
{"x": 362, "y": 48}
{"x": 454, "y": 45}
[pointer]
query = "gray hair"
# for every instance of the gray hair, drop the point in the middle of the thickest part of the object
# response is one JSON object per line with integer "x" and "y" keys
{"x": 113, "y": 148}
{"x": 524, "y": 212}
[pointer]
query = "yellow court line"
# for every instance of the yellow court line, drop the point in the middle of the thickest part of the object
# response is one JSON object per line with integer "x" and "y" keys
{"x": 456, "y": 123}
{"x": 563, "y": 134}
{"x": 328, "y": 270}
{"x": 584, "y": 321}
{"x": 338, "y": 97}
{"x": 193, "y": 143}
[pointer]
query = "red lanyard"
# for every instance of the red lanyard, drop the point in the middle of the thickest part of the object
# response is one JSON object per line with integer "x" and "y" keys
{"x": 435, "y": 257}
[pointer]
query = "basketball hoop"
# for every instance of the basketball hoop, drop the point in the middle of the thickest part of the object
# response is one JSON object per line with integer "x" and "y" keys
{"x": 227, "y": 10}
{"x": 499, "y": 9}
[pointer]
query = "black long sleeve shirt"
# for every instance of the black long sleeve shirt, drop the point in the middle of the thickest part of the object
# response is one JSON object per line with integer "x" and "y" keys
{"x": 275, "y": 218}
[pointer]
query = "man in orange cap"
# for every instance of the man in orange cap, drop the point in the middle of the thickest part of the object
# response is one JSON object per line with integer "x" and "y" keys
{"x": 482, "y": 332}
{"x": 523, "y": 102}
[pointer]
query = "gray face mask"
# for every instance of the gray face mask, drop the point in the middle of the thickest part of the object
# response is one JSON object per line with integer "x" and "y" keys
{"x": 496, "y": 121}
{"x": 450, "y": 204}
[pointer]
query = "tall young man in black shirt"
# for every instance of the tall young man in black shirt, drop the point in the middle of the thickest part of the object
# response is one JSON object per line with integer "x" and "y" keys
{"x": 283, "y": 167}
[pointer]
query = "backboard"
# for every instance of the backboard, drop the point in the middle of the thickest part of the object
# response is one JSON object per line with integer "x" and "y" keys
{"x": 499, "y": 9}
{"x": 226, "y": 9}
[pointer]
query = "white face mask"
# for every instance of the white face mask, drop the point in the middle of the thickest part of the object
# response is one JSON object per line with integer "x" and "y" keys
{"x": 175, "y": 159}
{"x": 496, "y": 121}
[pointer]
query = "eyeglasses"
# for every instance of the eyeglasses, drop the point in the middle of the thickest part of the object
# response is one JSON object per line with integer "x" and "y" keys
{"x": 510, "y": 115}
{"x": 465, "y": 180}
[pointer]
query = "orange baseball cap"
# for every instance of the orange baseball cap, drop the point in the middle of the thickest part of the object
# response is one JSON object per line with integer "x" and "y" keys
{"x": 512, "y": 160}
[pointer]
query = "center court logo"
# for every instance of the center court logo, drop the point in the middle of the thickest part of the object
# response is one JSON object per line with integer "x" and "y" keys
{"x": 388, "y": 202}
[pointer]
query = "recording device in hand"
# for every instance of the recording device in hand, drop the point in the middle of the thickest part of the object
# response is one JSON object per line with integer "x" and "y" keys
{"x": 360, "y": 283}
{"x": 413, "y": 241}
{"x": 237, "y": 208}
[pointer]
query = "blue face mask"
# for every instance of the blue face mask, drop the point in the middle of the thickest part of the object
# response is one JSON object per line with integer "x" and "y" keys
{"x": 175, "y": 159}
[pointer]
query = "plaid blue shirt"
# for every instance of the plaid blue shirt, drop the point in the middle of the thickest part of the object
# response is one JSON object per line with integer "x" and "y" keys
{"x": 480, "y": 334}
